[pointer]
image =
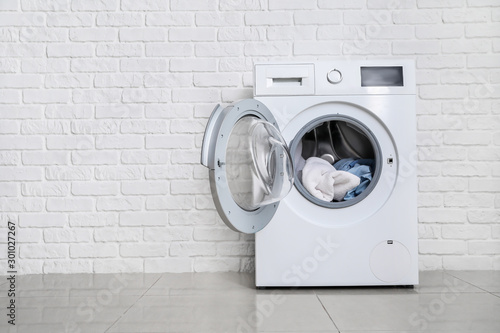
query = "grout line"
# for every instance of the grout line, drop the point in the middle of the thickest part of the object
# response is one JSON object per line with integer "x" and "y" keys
{"x": 161, "y": 275}
{"x": 336, "y": 327}
{"x": 134, "y": 303}
{"x": 461, "y": 279}
{"x": 113, "y": 324}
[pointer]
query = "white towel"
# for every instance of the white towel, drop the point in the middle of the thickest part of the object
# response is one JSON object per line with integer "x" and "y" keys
{"x": 318, "y": 178}
{"x": 344, "y": 182}
{"x": 324, "y": 182}
{"x": 298, "y": 160}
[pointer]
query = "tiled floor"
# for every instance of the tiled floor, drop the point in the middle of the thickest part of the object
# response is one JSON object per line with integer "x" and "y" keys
{"x": 455, "y": 301}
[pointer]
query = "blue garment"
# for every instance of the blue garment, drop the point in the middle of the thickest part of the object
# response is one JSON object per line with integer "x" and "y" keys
{"x": 361, "y": 168}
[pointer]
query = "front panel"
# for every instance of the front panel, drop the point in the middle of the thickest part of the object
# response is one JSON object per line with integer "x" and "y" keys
{"x": 374, "y": 241}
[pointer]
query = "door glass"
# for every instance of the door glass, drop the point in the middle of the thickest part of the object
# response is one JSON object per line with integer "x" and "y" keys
{"x": 258, "y": 165}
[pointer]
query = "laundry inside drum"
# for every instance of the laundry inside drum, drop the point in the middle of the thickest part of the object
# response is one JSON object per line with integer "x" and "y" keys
{"x": 337, "y": 161}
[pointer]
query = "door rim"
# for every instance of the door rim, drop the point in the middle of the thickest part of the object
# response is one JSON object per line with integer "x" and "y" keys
{"x": 235, "y": 217}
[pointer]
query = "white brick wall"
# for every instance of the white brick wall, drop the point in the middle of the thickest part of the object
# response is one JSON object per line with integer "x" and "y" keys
{"x": 103, "y": 106}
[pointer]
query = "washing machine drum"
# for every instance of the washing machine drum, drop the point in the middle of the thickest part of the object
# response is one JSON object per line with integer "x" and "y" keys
{"x": 353, "y": 158}
{"x": 338, "y": 138}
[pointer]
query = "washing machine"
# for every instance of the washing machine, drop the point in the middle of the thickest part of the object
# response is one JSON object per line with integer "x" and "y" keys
{"x": 341, "y": 114}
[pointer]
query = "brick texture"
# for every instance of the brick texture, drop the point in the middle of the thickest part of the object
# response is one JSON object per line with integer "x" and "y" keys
{"x": 103, "y": 105}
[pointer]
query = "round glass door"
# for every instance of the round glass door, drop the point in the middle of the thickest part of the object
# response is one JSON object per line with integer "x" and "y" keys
{"x": 258, "y": 165}
{"x": 250, "y": 168}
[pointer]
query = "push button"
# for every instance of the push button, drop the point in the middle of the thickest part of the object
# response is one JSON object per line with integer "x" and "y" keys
{"x": 334, "y": 76}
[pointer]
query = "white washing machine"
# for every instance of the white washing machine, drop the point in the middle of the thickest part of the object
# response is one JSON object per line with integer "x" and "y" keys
{"x": 358, "y": 116}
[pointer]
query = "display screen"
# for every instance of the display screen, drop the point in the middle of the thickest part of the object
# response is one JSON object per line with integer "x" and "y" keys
{"x": 382, "y": 76}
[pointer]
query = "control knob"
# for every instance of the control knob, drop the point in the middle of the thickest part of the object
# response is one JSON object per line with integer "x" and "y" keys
{"x": 334, "y": 76}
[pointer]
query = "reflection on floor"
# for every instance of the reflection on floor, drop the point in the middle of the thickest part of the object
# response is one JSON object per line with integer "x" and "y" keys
{"x": 452, "y": 301}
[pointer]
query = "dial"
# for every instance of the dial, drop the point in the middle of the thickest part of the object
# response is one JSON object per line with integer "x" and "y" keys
{"x": 334, "y": 76}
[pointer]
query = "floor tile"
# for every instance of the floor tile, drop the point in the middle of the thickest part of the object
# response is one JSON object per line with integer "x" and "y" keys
{"x": 487, "y": 280}
{"x": 184, "y": 284}
{"x": 183, "y": 314}
{"x": 433, "y": 331}
{"x": 449, "y": 310}
{"x": 437, "y": 281}
{"x": 465, "y": 301}
{"x": 429, "y": 282}
{"x": 301, "y": 313}
{"x": 225, "y": 312}
{"x": 84, "y": 284}
{"x": 66, "y": 314}
{"x": 66, "y": 327}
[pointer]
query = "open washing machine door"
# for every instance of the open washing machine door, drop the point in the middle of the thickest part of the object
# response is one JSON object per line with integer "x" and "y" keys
{"x": 250, "y": 167}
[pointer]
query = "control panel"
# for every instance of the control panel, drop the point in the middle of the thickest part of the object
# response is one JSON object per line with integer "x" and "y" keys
{"x": 336, "y": 77}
